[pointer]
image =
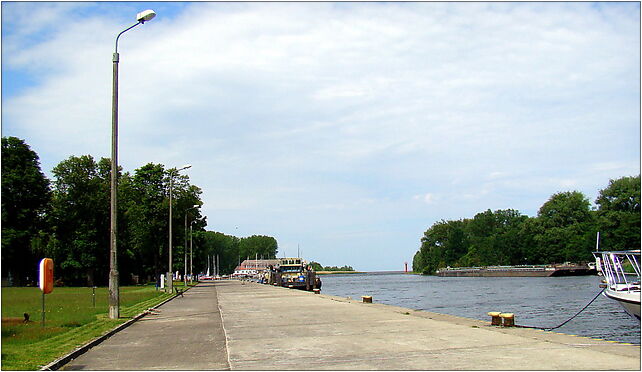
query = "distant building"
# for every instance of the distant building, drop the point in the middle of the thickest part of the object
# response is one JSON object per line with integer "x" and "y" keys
{"x": 253, "y": 267}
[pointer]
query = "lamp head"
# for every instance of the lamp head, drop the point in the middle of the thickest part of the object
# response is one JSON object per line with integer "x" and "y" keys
{"x": 145, "y": 15}
{"x": 185, "y": 167}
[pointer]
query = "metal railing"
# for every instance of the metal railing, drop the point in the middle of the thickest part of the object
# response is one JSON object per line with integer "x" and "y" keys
{"x": 614, "y": 266}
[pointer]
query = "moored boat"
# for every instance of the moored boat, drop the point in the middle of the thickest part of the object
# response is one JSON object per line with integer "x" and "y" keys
{"x": 621, "y": 271}
{"x": 292, "y": 273}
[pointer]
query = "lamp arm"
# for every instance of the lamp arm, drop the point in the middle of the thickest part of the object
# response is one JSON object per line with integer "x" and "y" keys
{"x": 122, "y": 32}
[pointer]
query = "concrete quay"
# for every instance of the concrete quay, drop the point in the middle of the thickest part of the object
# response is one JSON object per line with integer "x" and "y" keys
{"x": 248, "y": 326}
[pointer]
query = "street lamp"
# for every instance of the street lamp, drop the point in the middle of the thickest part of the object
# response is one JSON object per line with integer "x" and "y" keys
{"x": 191, "y": 252}
{"x": 170, "y": 275}
{"x": 114, "y": 297}
{"x": 185, "y": 246}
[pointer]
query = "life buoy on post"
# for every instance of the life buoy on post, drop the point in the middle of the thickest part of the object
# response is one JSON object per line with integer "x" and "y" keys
{"x": 46, "y": 282}
{"x": 46, "y": 275}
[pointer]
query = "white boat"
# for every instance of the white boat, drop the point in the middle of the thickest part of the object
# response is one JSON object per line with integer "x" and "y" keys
{"x": 621, "y": 271}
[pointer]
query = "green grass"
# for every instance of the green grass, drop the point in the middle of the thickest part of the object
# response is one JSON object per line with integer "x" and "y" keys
{"x": 71, "y": 320}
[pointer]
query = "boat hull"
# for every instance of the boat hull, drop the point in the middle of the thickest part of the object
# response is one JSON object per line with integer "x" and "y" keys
{"x": 630, "y": 301}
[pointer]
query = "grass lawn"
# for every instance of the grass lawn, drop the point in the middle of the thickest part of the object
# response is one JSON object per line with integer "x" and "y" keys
{"x": 71, "y": 320}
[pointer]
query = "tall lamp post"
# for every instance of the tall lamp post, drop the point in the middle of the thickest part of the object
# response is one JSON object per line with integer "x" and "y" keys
{"x": 170, "y": 275}
{"x": 185, "y": 246}
{"x": 191, "y": 252}
{"x": 114, "y": 296}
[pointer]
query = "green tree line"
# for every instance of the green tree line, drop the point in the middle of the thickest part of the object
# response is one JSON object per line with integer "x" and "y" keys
{"x": 564, "y": 230}
{"x": 318, "y": 267}
{"x": 68, "y": 219}
{"x": 231, "y": 250}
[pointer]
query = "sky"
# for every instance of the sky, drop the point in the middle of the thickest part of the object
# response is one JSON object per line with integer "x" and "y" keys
{"x": 344, "y": 130}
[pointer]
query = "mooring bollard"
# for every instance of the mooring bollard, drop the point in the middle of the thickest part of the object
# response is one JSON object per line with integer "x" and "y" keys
{"x": 495, "y": 319}
{"x": 367, "y": 299}
{"x": 316, "y": 291}
{"x": 509, "y": 319}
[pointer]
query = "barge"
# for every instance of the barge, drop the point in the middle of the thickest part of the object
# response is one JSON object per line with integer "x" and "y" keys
{"x": 567, "y": 269}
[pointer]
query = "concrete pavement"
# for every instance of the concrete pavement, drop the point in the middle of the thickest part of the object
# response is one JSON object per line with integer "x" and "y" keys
{"x": 261, "y": 327}
{"x": 270, "y": 328}
{"x": 184, "y": 334}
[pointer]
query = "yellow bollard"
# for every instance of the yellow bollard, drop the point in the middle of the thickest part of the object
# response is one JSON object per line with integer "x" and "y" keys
{"x": 367, "y": 299}
{"x": 495, "y": 319}
{"x": 509, "y": 319}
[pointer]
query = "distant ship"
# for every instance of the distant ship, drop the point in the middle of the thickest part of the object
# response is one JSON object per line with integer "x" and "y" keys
{"x": 567, "y": 269}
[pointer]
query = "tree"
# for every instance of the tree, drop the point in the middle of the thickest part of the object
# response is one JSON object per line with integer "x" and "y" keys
{"x": 564, "y": 209}
{"x": 146, "y": 211}
{"x": 495, "y": 238}
{"x": 440, "y": 243}
{"x": 258, "y": 246}
{"x": 568, "y": 226}
{"x": 564, "y": 230}
{"x": 25, "y": 202}
{"x": 529, "y": 252}
{"x": 336, "y": 268}
{"x": 81, "y": 219}
{"x": 418, "y": 262}
{"x": 618, "y": 214}
{"x": 216, "y": 243}
{"x": 146, "y": 202}
{"x": 230, "y": 250}
{"x": 621, "y": 195}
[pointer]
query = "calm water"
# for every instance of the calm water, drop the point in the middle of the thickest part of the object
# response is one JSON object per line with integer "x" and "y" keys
{"x": 540, "y": 302}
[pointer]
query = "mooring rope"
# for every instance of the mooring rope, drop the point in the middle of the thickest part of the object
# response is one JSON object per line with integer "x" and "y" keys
{"x": 568, "y": 320}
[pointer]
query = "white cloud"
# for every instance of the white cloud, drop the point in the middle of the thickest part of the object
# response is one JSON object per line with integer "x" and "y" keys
{"x": 346, "y": 107}
{"x": 427, "y": 198}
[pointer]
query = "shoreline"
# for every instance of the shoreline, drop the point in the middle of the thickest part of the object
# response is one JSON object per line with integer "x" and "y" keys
{"x": 366, "y": 272}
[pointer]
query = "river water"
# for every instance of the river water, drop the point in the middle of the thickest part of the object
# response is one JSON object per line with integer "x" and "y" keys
{"x": 540, "y": 302}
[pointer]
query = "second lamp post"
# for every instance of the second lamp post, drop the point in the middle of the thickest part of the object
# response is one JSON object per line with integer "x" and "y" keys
{"x": 170, "y": 274}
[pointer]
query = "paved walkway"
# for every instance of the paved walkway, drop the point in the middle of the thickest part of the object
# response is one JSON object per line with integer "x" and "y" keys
{"x": 185, "y": 334}
{"x": 270, "y": 328}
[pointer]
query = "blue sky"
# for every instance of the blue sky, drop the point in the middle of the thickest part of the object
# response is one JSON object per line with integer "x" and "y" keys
{"x": 346, "y": 129}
